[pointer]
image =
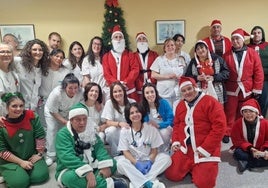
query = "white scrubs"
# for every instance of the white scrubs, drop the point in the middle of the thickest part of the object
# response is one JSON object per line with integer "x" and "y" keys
{"x": 163, "y": 66}
{"x": 96, "y": 75}
{"x": 9, "y": 83}
{"x": 112, "y": 133}
{"x": 76, "y": 71}
{"x": 146, "y": 140}
{"x": 57, "y": 102}
{"x": 48, "y": 83}
{"x": 29, "y": 84}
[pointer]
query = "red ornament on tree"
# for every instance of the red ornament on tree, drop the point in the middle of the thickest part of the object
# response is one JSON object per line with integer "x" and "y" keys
{"x": 113, "y": 3}
{"x": 115, "y": 13}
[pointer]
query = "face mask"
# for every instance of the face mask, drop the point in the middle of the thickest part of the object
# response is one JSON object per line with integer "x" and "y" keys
{"x": 119, "y": 46}
{"x": 142, "y": 46}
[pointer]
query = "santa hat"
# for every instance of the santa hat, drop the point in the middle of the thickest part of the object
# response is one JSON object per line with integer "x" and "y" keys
{"x": 78, "y": 109}
{"x": 117, "y": 29}
{"x": 200, "y": 42}
{"x": 141, "y": 34}
{"x": 195, "y": 55}
{"x": 215, "y": 22}
{"x": 240, "y": 33}
{"x": 252, "y": 105}
{"x": 186, "y": 81}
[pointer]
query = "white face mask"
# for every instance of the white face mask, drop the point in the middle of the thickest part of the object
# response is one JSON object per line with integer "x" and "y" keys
{"x": 119, "y": 46}
{"x": 142, "y": 46}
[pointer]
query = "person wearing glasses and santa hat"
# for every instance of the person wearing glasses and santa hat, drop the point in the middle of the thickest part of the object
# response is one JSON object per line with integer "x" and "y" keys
{"x": 245, "y": 78}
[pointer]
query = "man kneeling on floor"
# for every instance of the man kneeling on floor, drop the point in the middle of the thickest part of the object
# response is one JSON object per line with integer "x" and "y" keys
{"x": 82, "y": 160}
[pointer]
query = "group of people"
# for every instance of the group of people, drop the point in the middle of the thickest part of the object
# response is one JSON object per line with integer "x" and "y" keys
{"x": 159, "y": 113}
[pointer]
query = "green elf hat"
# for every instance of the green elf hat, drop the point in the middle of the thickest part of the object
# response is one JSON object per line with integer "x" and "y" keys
{"x": 78, "y": 109}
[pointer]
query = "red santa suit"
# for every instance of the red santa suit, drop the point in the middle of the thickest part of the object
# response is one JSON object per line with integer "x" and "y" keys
{"x": 240, "y": 132}
{"x": 245, "y": 78}
{"x": 123, "y": 69}
{"x": 144, "y": 69}
{"x": 204, "y": 124}
{"x": 239, "y": 135}
{"x": 226, "y": 44}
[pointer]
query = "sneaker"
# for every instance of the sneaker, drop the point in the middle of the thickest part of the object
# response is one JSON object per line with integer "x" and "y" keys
{"x": 148, "y": 184}
{"x": 158, "y": 184}
{"x": 2, "y": 179}
{"x": 49, "y": 160}
{"x": 226, "y": 139}
{"x": 131, "y": 185}
{"x": 242, "y": 166}
{"x": 120, "y": 183}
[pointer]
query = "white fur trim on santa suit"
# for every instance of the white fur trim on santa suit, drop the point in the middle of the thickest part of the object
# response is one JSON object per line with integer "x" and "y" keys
{"x": 203, "y": 151}
{"x": 83, "y": 170}
{"x": 110, "y": 182}
{"x": 116, "y": 33}
{"x": 238, "y": 35}
{"x": 141, "y": 35}
{"x": 257, "y": 91}
{"x": 77, "y": 112}
{"x": 59, "y": 178}
{"x": 186, "y": 83}
{"x": 250, "y": 108}
{"x": 213, "y": 46}
{"x": 176, "y": 143}
{"x": 105, "y": 163}
{"x": 257, "y": 131}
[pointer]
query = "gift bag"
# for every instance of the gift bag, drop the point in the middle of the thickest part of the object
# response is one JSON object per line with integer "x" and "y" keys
{"x": 210, "y": 90}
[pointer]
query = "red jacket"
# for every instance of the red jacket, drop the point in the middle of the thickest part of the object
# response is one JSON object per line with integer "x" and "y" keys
{"x": 248, "y": 76}
{"x": 226, "y": 47}
{"x": 129, "y": 69}
{"x": 150, "y": 57}
{"x": 207, "y": 123}
{"x": 239, "y": 135}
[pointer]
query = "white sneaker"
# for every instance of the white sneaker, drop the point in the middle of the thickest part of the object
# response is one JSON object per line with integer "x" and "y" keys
{"x": 49, "y": 160}
{"x": 2, "y": 179}
{"x": 158, "y": 184}
{"x": 131, "y": 185}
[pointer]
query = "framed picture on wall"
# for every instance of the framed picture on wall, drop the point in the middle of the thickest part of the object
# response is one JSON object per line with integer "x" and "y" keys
{"x": 168, "y": 28}
{"x": 23, "y": 32}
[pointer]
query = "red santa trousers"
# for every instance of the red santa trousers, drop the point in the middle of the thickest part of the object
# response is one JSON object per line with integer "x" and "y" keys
{"x": 204, "y": 174}
{"x": 232, "y": 110}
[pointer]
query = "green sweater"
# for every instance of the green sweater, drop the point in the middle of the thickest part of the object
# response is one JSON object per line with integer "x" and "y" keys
{"x": 263, "y": 50}
{"x": 22, "y": 144}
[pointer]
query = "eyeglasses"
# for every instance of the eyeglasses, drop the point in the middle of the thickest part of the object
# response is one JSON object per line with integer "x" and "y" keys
{"x": 5, "y": 52}
{"x": 97, "y": 44}
{"x": 80, "y": 119}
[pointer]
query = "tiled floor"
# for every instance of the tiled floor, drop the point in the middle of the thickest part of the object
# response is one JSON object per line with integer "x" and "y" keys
{"x": 227, "y": 178}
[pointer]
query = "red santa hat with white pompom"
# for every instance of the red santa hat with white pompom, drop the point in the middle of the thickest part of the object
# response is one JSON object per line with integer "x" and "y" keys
{"x": 184, "y": 80}
{"x": 215, "y": 22}
{"x": 141, "y": 34}
{"x": 252, "y": 105}
{"x": 240, "y": 33}
{"x": 117, "y": 29}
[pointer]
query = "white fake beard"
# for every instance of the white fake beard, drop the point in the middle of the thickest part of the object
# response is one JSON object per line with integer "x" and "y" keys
{"x": 89, "y": 135}
{"x": 119, "y": 46}
{"x": 142, "y": 46}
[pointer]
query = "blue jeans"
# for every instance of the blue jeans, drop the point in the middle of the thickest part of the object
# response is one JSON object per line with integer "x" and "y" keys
{"x": 239, "y": 154}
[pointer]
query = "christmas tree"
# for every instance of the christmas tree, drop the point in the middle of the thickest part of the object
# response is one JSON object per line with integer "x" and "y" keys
{"x": 113, "y": 16}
